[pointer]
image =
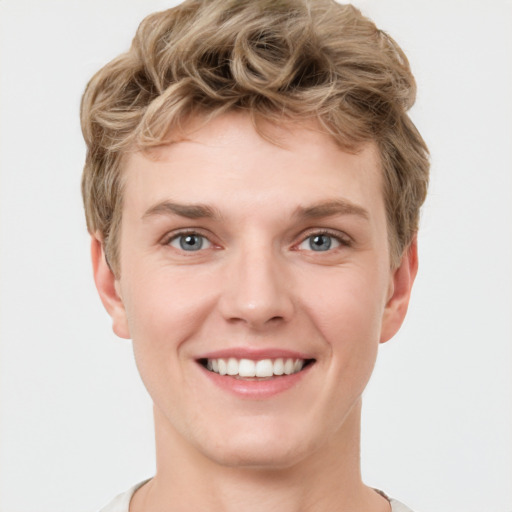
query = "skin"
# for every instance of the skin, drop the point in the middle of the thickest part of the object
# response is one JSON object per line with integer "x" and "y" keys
{"x": 257, "y": 283}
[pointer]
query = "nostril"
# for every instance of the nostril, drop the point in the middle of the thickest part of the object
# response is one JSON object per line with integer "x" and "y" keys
{"x": 252, "y": 320}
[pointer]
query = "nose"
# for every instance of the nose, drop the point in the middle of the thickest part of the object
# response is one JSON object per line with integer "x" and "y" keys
{"x": 257, "y": 289}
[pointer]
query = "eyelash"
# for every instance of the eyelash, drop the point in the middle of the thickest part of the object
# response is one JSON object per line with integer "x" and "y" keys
{"x": 341, "y": 238}
{"x": 192, "y": 232}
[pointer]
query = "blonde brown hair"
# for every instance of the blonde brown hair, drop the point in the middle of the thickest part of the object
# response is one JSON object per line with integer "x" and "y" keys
{"x": 279, "y": 60}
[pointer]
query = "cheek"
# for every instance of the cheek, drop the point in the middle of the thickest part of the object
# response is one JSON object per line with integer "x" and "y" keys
{"x": 349, "y": 317}
{"x": 163, "y": 313}
{"x": 349, "y": 306}
{"x": 165, "y": 309}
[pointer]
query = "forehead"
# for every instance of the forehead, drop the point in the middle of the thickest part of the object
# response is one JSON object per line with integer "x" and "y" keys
{"x": 228, "y": 156}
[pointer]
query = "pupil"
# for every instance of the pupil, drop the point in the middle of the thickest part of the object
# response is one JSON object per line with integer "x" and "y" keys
{"x": 191, "y": 242}
{"x": 321, "y": 242}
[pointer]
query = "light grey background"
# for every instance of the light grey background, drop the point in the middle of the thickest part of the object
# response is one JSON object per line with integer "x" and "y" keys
{"x": 75, "y": 422}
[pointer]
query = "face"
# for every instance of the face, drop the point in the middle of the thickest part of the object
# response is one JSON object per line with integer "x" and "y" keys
{"x": 256, "y": 285}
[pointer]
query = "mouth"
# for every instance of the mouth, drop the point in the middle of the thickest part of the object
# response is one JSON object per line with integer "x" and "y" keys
{"x": 255, "y": 370}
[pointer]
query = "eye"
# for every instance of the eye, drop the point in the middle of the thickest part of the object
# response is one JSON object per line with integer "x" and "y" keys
{"x": 320, "y": 242}
{"x": 190, "y": 242}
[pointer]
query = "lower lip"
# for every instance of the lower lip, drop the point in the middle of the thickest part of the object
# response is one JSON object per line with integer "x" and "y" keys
{"x": 256, "y": 389}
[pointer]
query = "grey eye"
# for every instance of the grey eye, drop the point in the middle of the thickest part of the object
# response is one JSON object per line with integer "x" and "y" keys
{"x": 319, "y": 243}
{"x": 190, "y": 242}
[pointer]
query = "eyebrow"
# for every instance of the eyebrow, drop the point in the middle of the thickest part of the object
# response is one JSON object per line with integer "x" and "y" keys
{"x": 189, "y": 211}
{"x": 201, "y": 211}
{"x": 330, "y": 208}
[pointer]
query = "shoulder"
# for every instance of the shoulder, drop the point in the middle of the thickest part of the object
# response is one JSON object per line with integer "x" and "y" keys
{"x": 121, "y": 503}
{"x": 396, "y": 506}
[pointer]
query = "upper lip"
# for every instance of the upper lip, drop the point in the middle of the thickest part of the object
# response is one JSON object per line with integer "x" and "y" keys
{"x": 255, "y": 354}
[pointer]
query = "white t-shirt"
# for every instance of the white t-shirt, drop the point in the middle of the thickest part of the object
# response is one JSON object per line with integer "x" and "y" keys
{"x": 121, "y": 503}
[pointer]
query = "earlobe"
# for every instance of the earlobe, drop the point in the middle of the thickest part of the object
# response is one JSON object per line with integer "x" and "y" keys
{"x": 107, "y": 286}
{"x": 402, "y": 280}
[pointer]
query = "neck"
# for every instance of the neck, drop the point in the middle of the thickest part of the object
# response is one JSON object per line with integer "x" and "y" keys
{"x": 329, "y": 479}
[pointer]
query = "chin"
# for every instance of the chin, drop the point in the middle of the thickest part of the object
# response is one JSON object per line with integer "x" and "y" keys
{"x": 261, "y": 447}
{"x": 256, "y": 457}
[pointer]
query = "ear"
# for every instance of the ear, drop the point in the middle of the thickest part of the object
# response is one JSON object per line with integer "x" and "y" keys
{"x": 400, "y": 288}
{"x": 107, "y": 286}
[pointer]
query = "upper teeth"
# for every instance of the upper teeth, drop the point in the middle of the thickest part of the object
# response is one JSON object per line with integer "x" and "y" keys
{"x": 250, "y": 368}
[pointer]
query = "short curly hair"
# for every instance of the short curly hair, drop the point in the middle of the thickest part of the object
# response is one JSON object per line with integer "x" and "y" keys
{"x": 278, "y": 60}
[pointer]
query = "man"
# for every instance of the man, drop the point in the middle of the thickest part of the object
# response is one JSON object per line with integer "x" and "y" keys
{"x": 252, "y": 188}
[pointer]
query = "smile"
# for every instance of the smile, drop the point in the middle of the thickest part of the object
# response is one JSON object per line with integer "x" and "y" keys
{"x": 248, "y": 368}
